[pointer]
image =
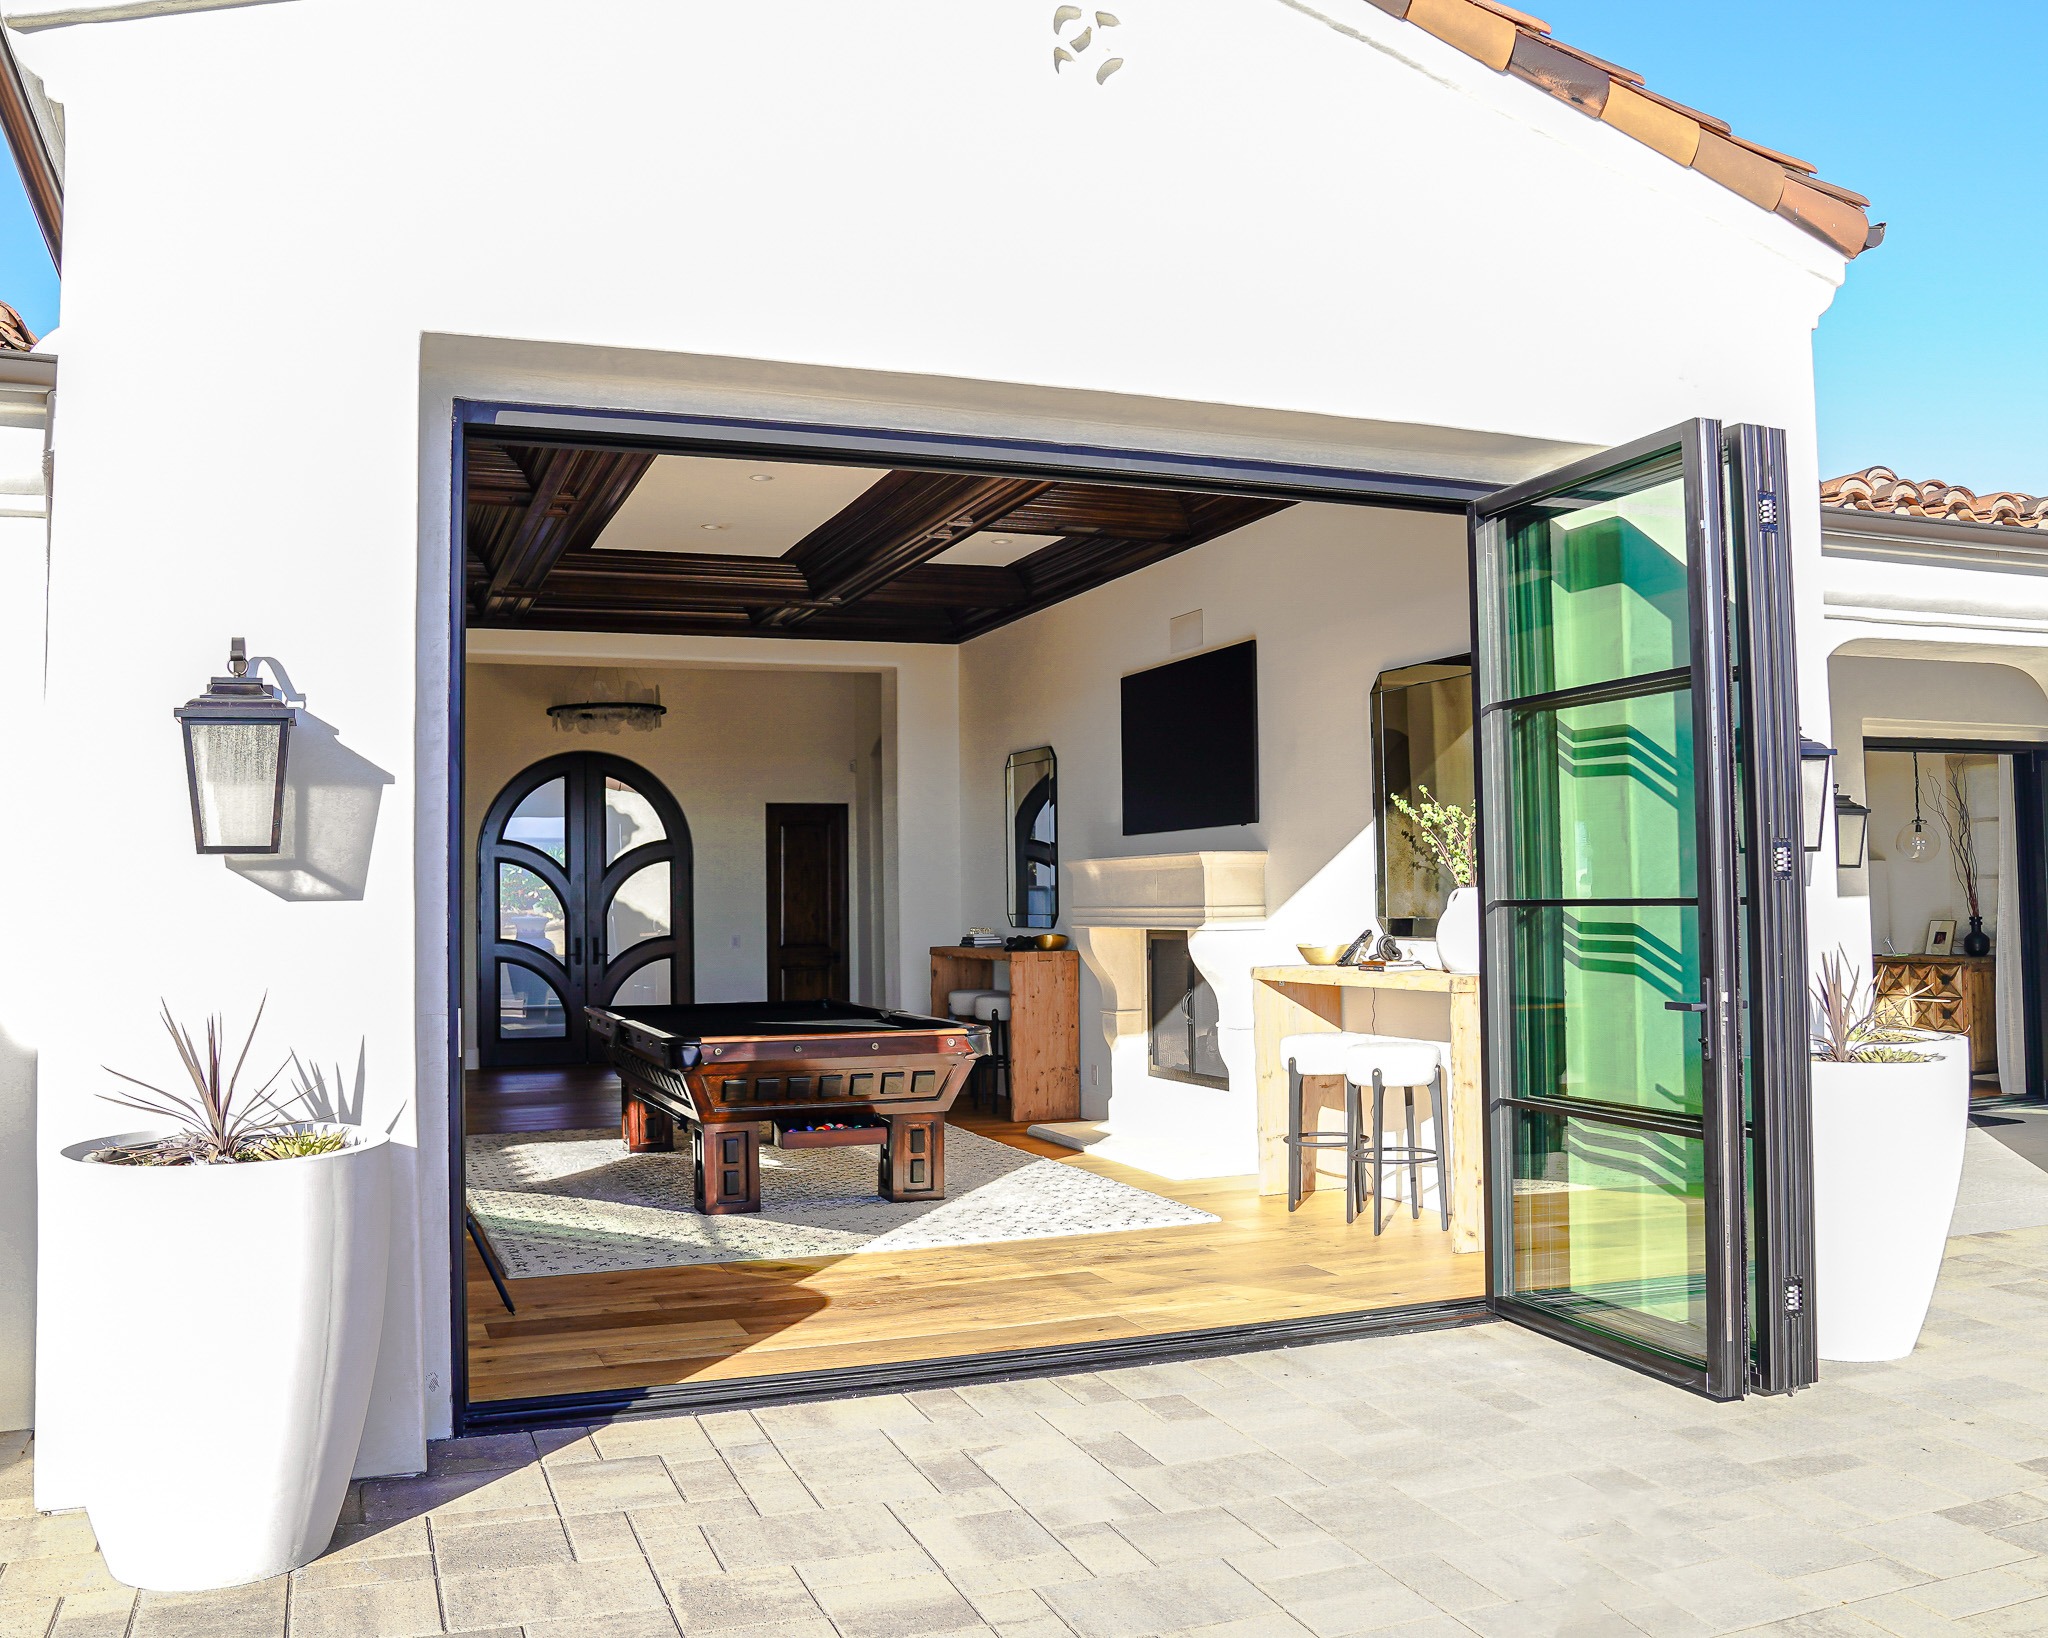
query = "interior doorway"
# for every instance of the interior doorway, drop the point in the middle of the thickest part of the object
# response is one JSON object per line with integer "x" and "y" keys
{"x": 583, "y": 892}
{"x": 807, "y": 908}
{"x": 1957, "y": 874}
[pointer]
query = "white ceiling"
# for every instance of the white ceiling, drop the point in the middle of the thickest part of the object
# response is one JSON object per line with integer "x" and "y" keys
{"x": 672, "y": 507}
{"x": 995, "y": 548}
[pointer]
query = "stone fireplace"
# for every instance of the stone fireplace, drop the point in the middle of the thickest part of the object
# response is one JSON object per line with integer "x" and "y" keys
{"x": 1177, "y": 1127}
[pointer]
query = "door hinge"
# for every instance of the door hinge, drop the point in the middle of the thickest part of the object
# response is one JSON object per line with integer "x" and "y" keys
{"x": 1766, "y": 510}
{"x": 1795, "y": 1295}
{"x": 1782, "y": 855}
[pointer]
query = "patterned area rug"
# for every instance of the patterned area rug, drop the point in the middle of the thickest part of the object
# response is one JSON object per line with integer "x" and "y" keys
{"x": 578, "y": 1203}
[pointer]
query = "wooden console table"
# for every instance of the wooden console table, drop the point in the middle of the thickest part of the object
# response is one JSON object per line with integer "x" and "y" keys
{"x": 1958, "y": 996}
{"x": 1304, "y": 1000}
{"x": 1045, "y": 1021}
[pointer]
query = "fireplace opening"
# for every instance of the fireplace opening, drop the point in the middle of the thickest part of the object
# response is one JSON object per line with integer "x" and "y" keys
{"x": 1182, "y": 1011}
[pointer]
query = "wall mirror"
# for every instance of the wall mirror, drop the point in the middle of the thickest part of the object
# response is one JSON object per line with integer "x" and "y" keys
{"x": 1029, "y": 783}
{"x": 1421, "y": 735}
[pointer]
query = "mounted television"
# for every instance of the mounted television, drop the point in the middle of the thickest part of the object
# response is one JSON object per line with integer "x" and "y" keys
{"x": 1191, "y": 743}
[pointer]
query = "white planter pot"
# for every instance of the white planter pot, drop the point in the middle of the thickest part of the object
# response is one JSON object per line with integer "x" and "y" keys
{"x": 1887, "y": 1158}
{"x": 1457, "y": 931}
{"x": 237, "y": 1311}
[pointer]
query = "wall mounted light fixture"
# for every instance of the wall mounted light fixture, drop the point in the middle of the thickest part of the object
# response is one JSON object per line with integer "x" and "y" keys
{"x": 237, "y": 735}
{"x": 1815, "y": 784}
{"x": 1852, "y": 831}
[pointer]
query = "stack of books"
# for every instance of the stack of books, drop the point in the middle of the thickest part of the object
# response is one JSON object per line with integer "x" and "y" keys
{"x": 982, "y": 938}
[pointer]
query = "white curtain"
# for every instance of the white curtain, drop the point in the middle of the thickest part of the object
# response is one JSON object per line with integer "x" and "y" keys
{"x": 2009, "y": 975}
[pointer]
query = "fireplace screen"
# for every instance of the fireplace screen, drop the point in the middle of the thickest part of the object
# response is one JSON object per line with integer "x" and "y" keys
{"x": 1182, "y": 1009}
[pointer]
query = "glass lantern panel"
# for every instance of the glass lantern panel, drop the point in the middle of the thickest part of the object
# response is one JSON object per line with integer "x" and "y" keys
{"x": 541, "y": 821}
{"x": 629, "y": 820}
{"x": 235, "y": 773}
{"x": 639, "y": 910}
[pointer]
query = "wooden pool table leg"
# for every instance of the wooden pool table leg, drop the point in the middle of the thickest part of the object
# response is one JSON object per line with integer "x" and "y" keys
{"x": 913, "y": 1165}
{"x": 646, "y": 1130}
{"x": 728, "y": 1168}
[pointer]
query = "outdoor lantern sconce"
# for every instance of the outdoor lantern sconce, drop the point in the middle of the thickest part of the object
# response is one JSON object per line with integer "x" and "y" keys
{"x": 1852, "y": 831}
{"x": 1815, "y": 786}
{"x": 236, "y": 737}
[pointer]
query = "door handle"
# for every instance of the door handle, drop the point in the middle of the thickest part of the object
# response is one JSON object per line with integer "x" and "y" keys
{"x": 1685, "y": 1006}
{"x": 576, "y": 953}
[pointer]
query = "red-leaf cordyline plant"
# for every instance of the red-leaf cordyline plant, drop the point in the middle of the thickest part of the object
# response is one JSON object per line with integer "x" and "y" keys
{"x": 216, "y": 1122}
{"x": 1848, "y": 1032}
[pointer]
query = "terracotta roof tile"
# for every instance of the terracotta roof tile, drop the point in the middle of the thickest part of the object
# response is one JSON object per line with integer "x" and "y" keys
{"x": 1513, "y": 42}
{"x": 1880, "y": 489}
{"x": 15, "y": 336}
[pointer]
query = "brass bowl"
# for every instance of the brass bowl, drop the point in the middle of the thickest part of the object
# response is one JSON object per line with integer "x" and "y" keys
{"x": 1322, "y": 955}
{"x": 1051, "y": 941}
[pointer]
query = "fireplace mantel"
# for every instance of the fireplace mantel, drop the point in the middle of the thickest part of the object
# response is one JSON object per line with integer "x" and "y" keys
{"x": 1167, "y": 890}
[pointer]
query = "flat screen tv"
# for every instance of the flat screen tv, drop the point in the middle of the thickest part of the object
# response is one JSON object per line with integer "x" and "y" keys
{"x": 1191, "y": 743}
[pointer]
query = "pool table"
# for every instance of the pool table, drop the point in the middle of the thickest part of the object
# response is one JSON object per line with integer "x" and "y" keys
{"x": 818, "y": 1072}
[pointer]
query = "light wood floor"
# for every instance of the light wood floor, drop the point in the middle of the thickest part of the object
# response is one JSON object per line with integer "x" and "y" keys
{"x": 583, "y": 1333}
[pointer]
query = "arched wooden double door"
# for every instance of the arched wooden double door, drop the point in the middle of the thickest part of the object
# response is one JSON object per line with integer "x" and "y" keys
{"x": 583, "y": 893}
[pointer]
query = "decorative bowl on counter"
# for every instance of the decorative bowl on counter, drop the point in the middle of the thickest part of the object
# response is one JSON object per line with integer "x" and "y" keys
{"x": 1322, "y": 955}
{"x": 1051, "y": 941}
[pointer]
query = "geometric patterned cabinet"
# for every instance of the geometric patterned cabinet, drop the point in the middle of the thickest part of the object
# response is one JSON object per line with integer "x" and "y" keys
{"x": 1956, "y": 997}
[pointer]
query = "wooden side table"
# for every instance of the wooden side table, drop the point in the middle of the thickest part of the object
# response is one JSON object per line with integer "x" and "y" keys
{"x": 1958, "y": 995}
{"x": 1045, "y": 1021}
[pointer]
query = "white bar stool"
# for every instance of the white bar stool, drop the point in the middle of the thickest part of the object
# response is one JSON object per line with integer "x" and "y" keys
{"x": 1324, "y": 1053}
{"x": 960, "y": 1004}
{"x": 994, "y": 1011}
{"x": 1385, "y": 1061}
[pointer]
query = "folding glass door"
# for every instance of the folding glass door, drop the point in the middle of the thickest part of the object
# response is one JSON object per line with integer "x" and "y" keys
{"x": 1612, "y": 762}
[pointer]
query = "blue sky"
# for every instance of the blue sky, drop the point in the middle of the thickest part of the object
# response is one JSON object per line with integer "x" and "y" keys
{"x": 1934, "y": 358}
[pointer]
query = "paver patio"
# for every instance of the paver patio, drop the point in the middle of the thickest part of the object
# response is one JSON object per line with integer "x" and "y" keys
{"x": 1474, "y": 1481}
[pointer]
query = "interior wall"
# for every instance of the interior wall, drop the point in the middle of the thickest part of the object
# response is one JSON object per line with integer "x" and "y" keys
{"x": 733, "y": 741}
{"x": 1874, "y": 696}
{"x": 1334, "y": 595}
{"x": 1907, "y": 893}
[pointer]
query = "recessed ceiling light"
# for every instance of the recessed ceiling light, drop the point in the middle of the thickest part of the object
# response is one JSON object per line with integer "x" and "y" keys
{"x": 710, "y": 526}
{"x": 998, "y": 540}
{"x": 760, "y": 477}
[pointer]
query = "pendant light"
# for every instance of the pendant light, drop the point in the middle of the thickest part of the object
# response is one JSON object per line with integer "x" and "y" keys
{"x": 1916, "y": 841}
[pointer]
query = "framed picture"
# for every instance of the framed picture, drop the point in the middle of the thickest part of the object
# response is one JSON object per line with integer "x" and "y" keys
{"x": 1941, "y": 938}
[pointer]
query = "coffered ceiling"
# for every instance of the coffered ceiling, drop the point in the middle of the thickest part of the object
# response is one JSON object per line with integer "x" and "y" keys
{"x": 597, "y": 539}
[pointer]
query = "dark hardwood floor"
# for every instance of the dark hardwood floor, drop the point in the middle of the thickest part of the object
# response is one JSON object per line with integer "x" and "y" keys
{"x": 554, "y": 1099}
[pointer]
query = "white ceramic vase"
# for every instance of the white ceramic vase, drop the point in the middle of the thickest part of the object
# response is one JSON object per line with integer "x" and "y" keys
{"x": 1887, "y": 1160}
{"x": 237, "y": 1313}
{"x": 1457, "y": 931}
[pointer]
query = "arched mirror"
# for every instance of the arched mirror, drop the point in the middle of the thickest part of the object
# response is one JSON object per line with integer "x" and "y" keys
{"x": 1422, "y": 740}
{"x": 1030, "y": 788}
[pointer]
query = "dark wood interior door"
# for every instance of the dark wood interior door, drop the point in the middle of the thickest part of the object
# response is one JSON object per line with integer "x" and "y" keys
{"x": 807, "y": 938}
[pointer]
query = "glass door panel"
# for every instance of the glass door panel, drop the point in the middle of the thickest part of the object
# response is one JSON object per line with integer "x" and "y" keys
{"x": 629, "y": 820}
{"x": 639, "y": 909}
{"x": 1607, "y": 880}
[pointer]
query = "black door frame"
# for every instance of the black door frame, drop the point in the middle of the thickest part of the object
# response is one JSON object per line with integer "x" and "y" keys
{"x": 2030, "y": 816}
{"x": 589, "y": 969}
{"x": 824, "y": 443}
{"x": 1757, "y": 1231}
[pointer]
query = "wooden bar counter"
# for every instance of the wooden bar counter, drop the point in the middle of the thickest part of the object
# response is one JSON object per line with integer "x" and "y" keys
{"x": 1304, "y": 1000}
{"x": 1045, "y": 1021}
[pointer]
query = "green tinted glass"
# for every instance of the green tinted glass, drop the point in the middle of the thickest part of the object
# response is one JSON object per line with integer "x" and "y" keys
{"x": 1594, "y": 586}
{"x": 1609, "y": 1229}
{"x": 1603, "y": 800}
{"x": 1587, "y": 989}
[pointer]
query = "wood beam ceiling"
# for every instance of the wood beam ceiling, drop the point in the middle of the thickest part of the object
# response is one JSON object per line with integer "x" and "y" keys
{"x": 535, "y": 512}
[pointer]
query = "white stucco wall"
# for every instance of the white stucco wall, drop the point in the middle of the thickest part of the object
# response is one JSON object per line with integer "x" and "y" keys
{"x": 24, "y": 541}
{"x": 278, "y": 216}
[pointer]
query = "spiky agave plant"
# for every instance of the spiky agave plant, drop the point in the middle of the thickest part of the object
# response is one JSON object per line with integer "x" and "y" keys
{"x": 217, "y": 1122}
{"x": 1849, "y": 1032}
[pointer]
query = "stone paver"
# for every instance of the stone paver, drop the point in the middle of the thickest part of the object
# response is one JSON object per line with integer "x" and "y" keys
{"x": 1443, "y": 1485}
